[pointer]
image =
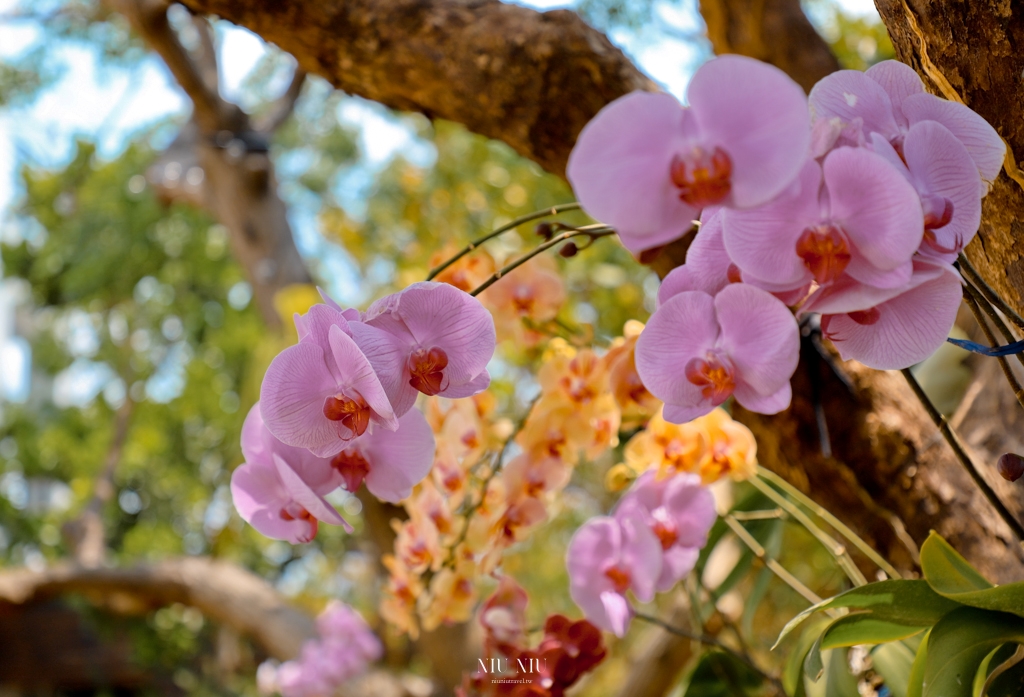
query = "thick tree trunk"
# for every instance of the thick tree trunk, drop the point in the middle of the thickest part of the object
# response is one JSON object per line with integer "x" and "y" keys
{"x": 973, "y": 52}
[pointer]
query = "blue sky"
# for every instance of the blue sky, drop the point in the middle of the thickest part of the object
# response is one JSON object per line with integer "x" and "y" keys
{"x": 109, "y": 105}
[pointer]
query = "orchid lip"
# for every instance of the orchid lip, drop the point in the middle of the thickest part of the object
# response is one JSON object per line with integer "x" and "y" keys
{"x": 352, "y": 413}
{"x": 702, "y": 178}
{"x": 714, "y": 375}
{"x": 824, "y": 251}
{"x": 426, "y": 370}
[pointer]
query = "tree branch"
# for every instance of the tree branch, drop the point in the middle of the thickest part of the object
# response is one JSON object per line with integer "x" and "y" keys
{"x": 528, "y": 78}
{"x": 149, "y": 19}
{"x": 282, "y": 108}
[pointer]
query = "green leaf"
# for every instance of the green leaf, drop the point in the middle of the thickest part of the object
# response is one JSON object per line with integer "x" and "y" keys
{"x": 946, "y": 570}
{"x": 915, "y": 686}
{"x": 722, "y": 675}
{"x": 864, "y": 628}
{"x": 959, "y": 643}
{"x": 841, "y": 682}
{"x": 982, "y": 674}
{"x": 894, "y": 662}
{"x": 951, "y": 576}
{"x": 793, "y": 671}
{"x": 908, "y": 602}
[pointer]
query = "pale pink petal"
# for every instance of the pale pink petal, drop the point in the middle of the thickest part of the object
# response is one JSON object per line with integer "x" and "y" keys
{"x": 875, "y": 205}
{"x": 594, "y": 543}
{"x": 763, "y": 404}
{"x": 982, "y": 141}
{"x": 641, "y": 555}
{"x": 706, "y": 258}
{"x": 255, "y": 486}
{"x": 617, "y": 610}
{"x": 847, "y": 295}
{"x": 679, "y": 280}
{"x": 467, "y": 389}
{"x": 692, "y": 506}
{"x": 399, "y": 460}
{"x": 328, "y": 299}
{"x": 909, "y": 328}
{"x": 292, "y": 397}
{"x": 941, "y": 165}
{"x": 620, "y": 169}
{"x": 849, "y": 95}
{"x": 681, "y": 415}
{"x": 759, "y": 116}
{"x": 388, "y": 353}
{"x": 439, "y": 314}
{"x": 762, "y": 242}
{"x": 356, "y": 373}
{"x": 899, "y": 81}
{"x": 676, "y": 563}
{"x": 253, "y": 439}
{"x": 301, "y": 494}
{"x": 760, "y": 336}
{"x": 270, "y": 524}
{"x": 863, "y": 271}
{"x": 683, "y": 328}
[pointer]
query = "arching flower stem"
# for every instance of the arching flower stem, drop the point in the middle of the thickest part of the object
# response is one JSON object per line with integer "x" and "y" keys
{"x": 511, "y": 225}
{"x": 592, "y": 232}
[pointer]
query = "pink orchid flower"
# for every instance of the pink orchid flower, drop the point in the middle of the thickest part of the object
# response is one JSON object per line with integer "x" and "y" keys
{"x": 708, "y": 267}
{"x": 322, "y": 392}
{"x": 607, "y": 557}
{"x": 943, "y": 173}
{"x": 431, "y": 338}
{"x": 647, "y": 166}
{"x": 697, "y": 350}
{"x": 890, "y": 329}
{"x": 889, "y": 98}
{"x": 854, "y": 214}
{"x": 391, "y": 464}
{"x": 680, "y": 513}
{"x": 280, "y": 489}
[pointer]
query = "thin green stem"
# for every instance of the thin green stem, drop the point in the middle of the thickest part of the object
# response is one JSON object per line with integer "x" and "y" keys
{"x": 990, "y": 295}
{"x": 776, "y": 568}
{"x": 837, "y": 549}
{"x": 712, "y": 641}
{"x": 961, "y": 454}
{"x": 591, "y": 231}
{"x": 838, "y": 525}
{"x": 511, "y": 225}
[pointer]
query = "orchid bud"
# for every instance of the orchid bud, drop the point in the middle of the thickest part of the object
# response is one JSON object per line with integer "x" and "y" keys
{"x": 1010, "y": 466}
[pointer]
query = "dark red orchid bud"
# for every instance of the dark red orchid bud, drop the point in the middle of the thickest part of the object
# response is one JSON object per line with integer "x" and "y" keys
{"x": 569, "y": 250}
{"x": 1010, "y": 466}
{"x": 545, "y": 230}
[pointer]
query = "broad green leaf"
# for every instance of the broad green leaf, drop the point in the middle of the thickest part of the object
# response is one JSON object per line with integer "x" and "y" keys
{"x": 841, "y": 682}
{"x": 908, "y": 602}
{"x": 959, "y": 643}
{"x": 946, "y": 570}
{"x": 893, "y": 662}
{"x": 982, "y": 675}
{"x": 951, "y": 576}
{"x": 864, "y": 628}
{"x": 793, "y": 671}
{"x": 915, "y": 686}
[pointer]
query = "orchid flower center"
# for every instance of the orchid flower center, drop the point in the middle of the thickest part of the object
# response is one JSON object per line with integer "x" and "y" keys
{"x": 352, "y": 467}
{"x": 664, "y": 529}
{"x": 824, "y": 251}
{"x": 733, "y": 274}
{"x": 702, "y": 178}
{"x": 938, "y": 211}
{"x": 426, "y": 370}
{"x": 353, "y": 414}
{"x": 294, "y": 511}
{"x": 523, "y": 300}
{"x": 620, "y": 578}
{"x": 714, "y": 375}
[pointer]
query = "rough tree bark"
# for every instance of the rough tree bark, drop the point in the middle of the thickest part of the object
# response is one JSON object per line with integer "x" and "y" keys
{"x": 973, "y": 52}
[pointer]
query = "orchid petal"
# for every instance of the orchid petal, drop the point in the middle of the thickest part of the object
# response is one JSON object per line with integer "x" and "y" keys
{"x": 759, "y": 116}
{"x": 620, "y": 169}
{"x": 388, "y": 354}
{"x": 899, "y": 81}
{"x": 292, "y": 397}
{"x": 849, "y": 95}
{"x": 356, "y": 373}
{"x": 399, "y": 460}
{"x": 982, "y": 141}
{"x": 759, "y": 335}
